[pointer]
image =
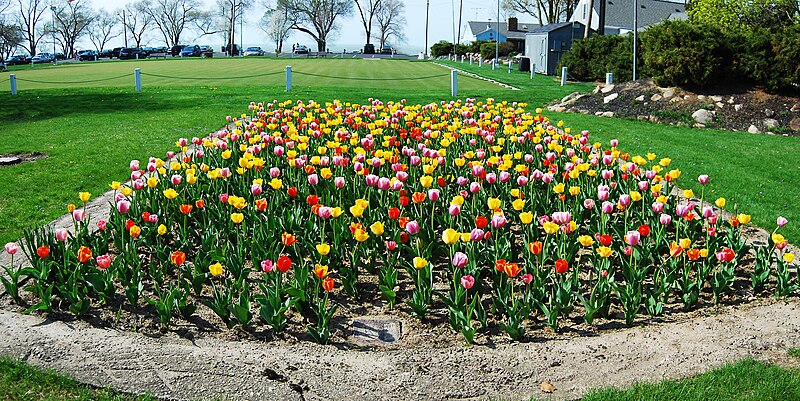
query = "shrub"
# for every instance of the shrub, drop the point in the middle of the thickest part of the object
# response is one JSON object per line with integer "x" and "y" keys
{"x": 685, "y": 54}
{"x": 786, "y": 70}
{"x": 487, "y": 49}
{"x": 590, "y": 59}
{"x": 441, "y": 48}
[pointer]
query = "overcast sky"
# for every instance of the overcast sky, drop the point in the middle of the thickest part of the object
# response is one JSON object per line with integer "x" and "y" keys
{"x": 351, "y": 31}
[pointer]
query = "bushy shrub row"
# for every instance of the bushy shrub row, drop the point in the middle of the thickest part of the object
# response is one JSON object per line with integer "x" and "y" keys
{"x": 693, "y": 55}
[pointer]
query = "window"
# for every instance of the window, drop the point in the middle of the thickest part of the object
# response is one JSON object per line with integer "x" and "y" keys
{"x": 584, "y": 11}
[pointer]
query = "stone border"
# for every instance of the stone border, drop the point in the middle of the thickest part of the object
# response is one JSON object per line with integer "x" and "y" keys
{"x": 478, "y": 76}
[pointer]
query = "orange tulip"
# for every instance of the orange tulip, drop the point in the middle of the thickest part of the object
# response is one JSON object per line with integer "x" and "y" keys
{"x": 84, "y": 254}
{"x": 535, "y": 247}
{"x": 675, "y": 250}
{"x": 418, "y": 197}
{"x": 512, "y": 269}
{"x": 200, "y": 203}
{"x": 177, "y": 258}
{"x": 320, "y": 271}
{"x": 186, "y": 209}
{"x": 288, "y": 239}
{"x": 327, "y": 284}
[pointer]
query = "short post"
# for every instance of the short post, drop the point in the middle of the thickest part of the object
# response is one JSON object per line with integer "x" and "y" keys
{"x": 470, "y": 60}
{"x": 609, "y": 78}
{"x": 494, "y": 64}
{"x": 533, "y": 70}
{"x": 12, "y": 78}
{"x": 288, "y": 78}
{"x": 453, "y": 83}
{"x": 480, "y": 61}
{"x": 563, "y": 76}
{"x": 510, "y": 64}
{"x": 137, "y": 73}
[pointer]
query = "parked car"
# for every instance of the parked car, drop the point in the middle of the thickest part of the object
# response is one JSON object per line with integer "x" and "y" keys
{"x": 147, "y": 51}
{"x": 191, "y": 51}
{"x": 386, "y": 49}
{"x": 301, "y": 49}
{"x": 236, "y": 50}
{"x": 19, "y": 59}
{"x": 253, "y": 51}
{"x": 115, "y": 52}
{"x": 87, "y": 55}
{"x": 42, "y": 58}
{"x": 206, "y": 48}
{"x": 106, "y": 53}
{"x": 175, "y": 51}
{"x": 130, "y": 53}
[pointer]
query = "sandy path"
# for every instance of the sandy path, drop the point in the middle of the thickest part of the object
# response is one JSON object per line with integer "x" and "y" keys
{"x": 176, "y": 368}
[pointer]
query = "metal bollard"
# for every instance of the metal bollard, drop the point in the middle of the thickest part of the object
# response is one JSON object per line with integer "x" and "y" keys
{"x": 12, "y": 78}
{"x": 480, "y": 61}
{"x": 137, "y": 74}
{"x": 510, "y": 64}
{"x": 609, "y": 78}
{"x": 470, "y": 60}
{"x": 563, "y": 76}
{"x": 453, "y": 83}
{"x": 533, "y": 70}
{"x": 288, "y": 78}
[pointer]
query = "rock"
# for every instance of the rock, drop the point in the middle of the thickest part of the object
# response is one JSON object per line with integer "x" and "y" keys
{"x": 653, "y": 119}
{"x": 572, "y": 97}
{"x": 557, "y": 109}
{"x": 598, "y": 113}
{"x": 9, "y": 160}
{"x": 701, "y": 97}
{"x": 675, "y": 100}
{"x": 703, "y": 116}
{"x": 608, "y": 114}
{"x": 730, "y": 100}
{"x": 719, "y": 104}
{"x": 596, "y": 89}
{"x": 669, "y": 93}
{"x": 656, "y": 97}
{"x": 607, "y": 88}
{"x": 794, "y": 124}
{"x": 698, "y": 125}
{"x": 769, "y": 113}
{"x": 640, "y": 98}
{"x": 716, "y": 98}
{"x": 795, "y": 108}
{"x": 737, "y": 107}
{"x": 610, "y": 97}
{"x": 642, "y": 118}
{"x": 377, "y": 329}
{"x": 770, "y": 123}
{"x": 753, "y": 129}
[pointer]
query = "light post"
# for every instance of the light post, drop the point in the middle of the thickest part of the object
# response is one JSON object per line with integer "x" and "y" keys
{"x": 124, "y": 27}
{"x": 53, "y": 10}
{"x": 497, "y": 43}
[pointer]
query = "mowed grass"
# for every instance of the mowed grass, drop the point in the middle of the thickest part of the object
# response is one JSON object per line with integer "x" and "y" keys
{"x": 747, "y": 380}
{"x": 22, "y": 382}
{"x": 379, "y": 74}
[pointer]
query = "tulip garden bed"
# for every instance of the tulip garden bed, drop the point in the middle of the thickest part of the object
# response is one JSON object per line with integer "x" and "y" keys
{"x": 470, "y": 221}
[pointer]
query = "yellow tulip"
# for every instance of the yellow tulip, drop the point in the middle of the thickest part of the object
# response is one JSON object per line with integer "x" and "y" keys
{"x": 426, "y": 181}
{"x": 574, "y": 191}
{"x": 237, "y": 217}
{"x": 465, "y": 237}
{"x": 586, "y": 240}
{"x": 127, "y": 191}
{"x": 115, "y": 185}
{"x": 420, "y": 263}
{"x": 226, "y": 154}
{"x": 152, "y": 182}
{"x": 170, "y": 194}
{"x": 494, "y": 203}
{"x": 457, "y": 200}
{"x": 635, "y": 196}
{"x": 356, "y": 211}
{"x": 276, "y": 183}
{"x": 788, "y": 257}
{"x": 162, "y": 229}
{"x": 450, "y": 236}
{"x": 360, "y": 235}
{"x": 215, "y": 269}
{"x": 604, "y": 251}
{"x": 674, "y": 174}
{"x": 336, "y": 212}
{"x": 685, "y": 243}
{"x": 84, "y": 196}
{"x": 518, "y": 204}
{"x": 377, "y": 228}
{"x": 688, "y": 193}
{"x": 778, "y": 239}
{"x": 526, "y": 217}
{"x": 323, "y": 249}
{"x": 743, "y": 218}
{"x": 665, "y": 162}
{"x": 362, "y": 203}
{"x": 720, "y": 203}
{"x": 559, "y": 189}
{"x": 704, "y": 253}
{"x": 550, "y": 227}
{"x": 656, "y": 188}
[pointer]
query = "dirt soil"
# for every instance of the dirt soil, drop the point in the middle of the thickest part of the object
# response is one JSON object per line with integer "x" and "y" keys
{"x": 734, "y": 108}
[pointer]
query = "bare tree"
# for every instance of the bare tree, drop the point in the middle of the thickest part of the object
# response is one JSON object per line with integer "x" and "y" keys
{"x": 10, "y": 39}
{"x": 317, "y": 18}
{"x": 138, "y": 21}
{"x": 232, "y": 13}
{"x": 173, "y": 17}
{"x": 102, "y": 29}
{"x": 367, "y": 13}
{"x": 72, "y": 22}
{"x": 390, "y": 21}
{"x": 276, "y": 23}
{"x": 545, "y": 11}
{"x": 31, "y": 14}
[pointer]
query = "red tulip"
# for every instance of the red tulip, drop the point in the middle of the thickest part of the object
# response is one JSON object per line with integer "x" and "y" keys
{"x": 43, "y": 251}
{"x": 481, "y": 222}
{"x": 177, "y": 258}
{"x": 562, "y": 266}
{"x": 394, "y": 213}
{"x": 284, "y": 264}
{"x": 292, "y": 192}
{"x": 312, "y": 200}
{"x": 327, "y": 284}
{"x": 644, "y": 230}
{"x": 84, "y": 254}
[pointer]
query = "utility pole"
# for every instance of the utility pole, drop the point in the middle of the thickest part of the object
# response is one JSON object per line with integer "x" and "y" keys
{"x": 232, "y": 47}
{"x": 635, "y": 28}
{"x": 588, "y": 27}
{"x": 460, "y": 13}
{"x": 427, "y": 18}
{"x": 497, "y": 39}
{"x": 125, "y": 28}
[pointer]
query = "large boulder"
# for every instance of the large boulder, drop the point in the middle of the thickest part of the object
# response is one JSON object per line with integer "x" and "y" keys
{"x": 703, "y": 116}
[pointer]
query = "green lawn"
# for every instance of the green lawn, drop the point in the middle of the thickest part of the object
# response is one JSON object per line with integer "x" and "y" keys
{"x": 22, "y": 382}
{"x": 746, "y": 380}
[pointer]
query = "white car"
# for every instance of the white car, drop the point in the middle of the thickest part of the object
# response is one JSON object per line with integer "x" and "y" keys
{"x": 253, "y": 51}
{"x": 42, "y": 58}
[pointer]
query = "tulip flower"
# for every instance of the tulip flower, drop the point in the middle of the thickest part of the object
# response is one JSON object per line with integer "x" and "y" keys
{"x": 726, "y": 255}
{"x": 327, "y": 284}
{"x": 702, "y": 179}
{"x": 12, "y": 248}
{"x": 177, "y": 258}
{"x": 720, "y": 203}
{"x": 498, "y": 221}
{"x": 237, "y": 218}
{"x": 512, "y": 269}
{"x": 586, "y": 240}
{"x": 665, "y": 219}
{"x": 162, "y": 229}
{"x": 460, "y": 259}
{"x": 267, "y": 266}
{"x": 288, "y": 239}
{"x": 782, "y": 221}
{"x": 604, "y": 251}
{"x": 788, "y": 257}
{"x": 360, "y": 235}
{"x": 450, "y": 236}
{"x": 675, "y": 250}
{"x": 562, "y": 266}
{"x": 412, "y": 227}
{"x": 320, "y": 271}
{"x": 284, "y": 264}
{"x": 215, "y": 269}
{"x": 84, "y": 254}
{"x": 42, "y": 251}
{"x": 467, "y": 281}
{"x": 632, "y": 238}
{"x": 419, "y": 262}
{"x": 103, "y": 261}
{"x": 535, "y": 247}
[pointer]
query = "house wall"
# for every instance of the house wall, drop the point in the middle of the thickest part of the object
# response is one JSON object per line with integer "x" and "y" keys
{"x": 489, "y": 35}
{"x": 536, "y": 49}
{"x": 581, "y": 14}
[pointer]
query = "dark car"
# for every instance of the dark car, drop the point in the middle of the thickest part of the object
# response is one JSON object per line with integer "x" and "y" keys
{"x": 175, "y": 51}
{"x": 87, "y": 55}
{"x": 106, "y": 53}
{"x": 386, "y": 49}
{"x": 115, "y": 52}
{"x": 130, "y": 53}
{"x": 301, "y": 49}
{"x": 18, "y": 60}
{"x": 236, "y": 50}
{"x": 191, "y": 51}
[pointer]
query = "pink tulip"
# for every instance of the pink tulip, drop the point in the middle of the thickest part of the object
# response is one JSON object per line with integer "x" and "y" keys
{"x": 384, "y": 183}
{"x": 562, "y": 218}
{"x": 491, "y": 178}
{"x": 547, "y": 178}
{"x": 61, "y": 234}
{"x": 504, "y": 176}
{"x": 588, "y": 204}
{"x": 397, "y": 185}
{"x": 522, "y": 180}
{"x": 460, "y": 260}
{"x": 325, "y": 212}
{"x": 176, "y": 179}
{"x": 713, "y": 219}
{"x": 607, "y": 174}
{"x": 412, "y": 227}
{"x": 11, "y": 248}
{"x": 123, "y": 206}
{"x": 703, "y": 179}
{"x": 274, "y": 172}
{"x": 665, "y": 219}
{"x": 433, "y": 194}
{"x": 632, "y": 238}
{"x": 708, "y": 211}
{"x": 607, "y": 160}
{"x": 614, "y": 143}
{"x": 278, "y": 151}
{"x": 527, "y": 278}
{"x": 134, "y": 165}
{"x": 474, "y": 187}
{"x": 391, "y": 245}
{"x": 682, "y": 210}
{"x": 339, "y": 182}
{"x": 138, "y": 185}
{"x": 782, "y": 221}
{"x": 136, "y": 175}
{"x": 402, "y": 176}
{"x": 624, "y": 199}
{"x": 371, "y": 180}
{"x": 537, "y": 175}
{"x": 313, "y": 179}
{"x": 415, "y": 160}
{"x": 223, "y": 198}
{"x": 658, "y": 207}
{"x": 79, "y": 214}
{"x": 643, "y": 185}
{"x": 225, "y": 172}
{"x": 101, "y": 225}
{"x": 498, "y": 221}
{"x": 256, "y": 189}
{"x": 454, "y": 209}
{"x": 476, "y": 234}
{"x": 607, "y": 207}
{"x": 267, "y": 266}
{"x": 461, "y": 181}
{"x": 153, "y": 218}
{"x": 103, "y": 261}
{"x": 628, "y": 250}
{"x": 467, "y": 281}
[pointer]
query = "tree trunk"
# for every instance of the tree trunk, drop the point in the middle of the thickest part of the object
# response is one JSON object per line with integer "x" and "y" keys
{"x": 321, "y": 45}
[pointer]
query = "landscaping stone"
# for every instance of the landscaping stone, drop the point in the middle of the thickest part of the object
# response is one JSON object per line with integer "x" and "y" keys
{"x": 377, "y": 329}
{"x": 703, "y": 116}
{"x": 610, "y": 97}
{"x": 737, "y": 107}
{"x": 794, "y": 124}
{"x": 769, "y": 113}
{"x": 731, "y": 101}
{"x": 716, "y": 98}
{"x": 719, "y": 105}
{"x": 9, "y": 160}
{"x": 770, "y": 123}
{"x": 640, "y": 98}
{"x": 795, "y": 108}
{"x": 656, "y": 97}
{"x": 701, "y": 97}
{"x": 556, "y": 108}
{"x": 669, "y": 93}
{"x": 608, "y": 114}
{"x": 753, "y": 129}
{"x": 607, "y": 88}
